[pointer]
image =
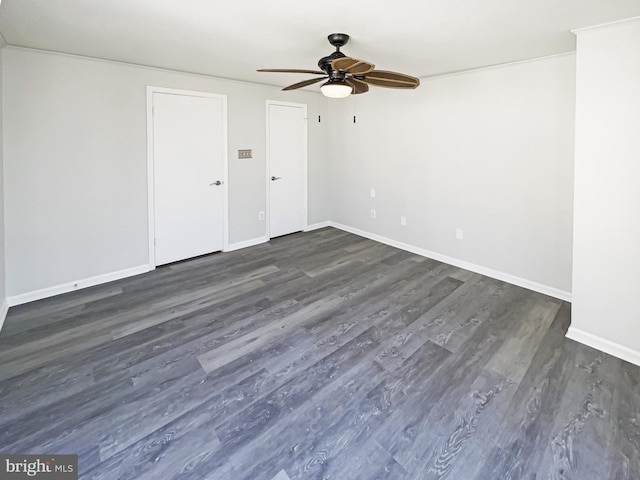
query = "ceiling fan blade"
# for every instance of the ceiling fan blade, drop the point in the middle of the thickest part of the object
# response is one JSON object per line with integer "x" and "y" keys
{"x": 357, "y": 85}
{"x": 383, "y": 78}
{"x": 291, "y": 70}
{"x": 304, "y": 83}
{"x": 352, "y": 65}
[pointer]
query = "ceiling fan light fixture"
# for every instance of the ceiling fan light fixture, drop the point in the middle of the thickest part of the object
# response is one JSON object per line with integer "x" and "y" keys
{"x": 347, "y": 75}
{"x": 336, "y": 89}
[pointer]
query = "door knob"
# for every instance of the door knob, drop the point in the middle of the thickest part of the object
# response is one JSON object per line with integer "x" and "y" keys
{"x": 217, "y": 183}
{"x": 273, "y": 179}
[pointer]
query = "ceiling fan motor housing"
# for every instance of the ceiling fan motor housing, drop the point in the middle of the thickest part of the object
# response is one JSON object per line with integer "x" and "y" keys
{"x": 325, "y": 62}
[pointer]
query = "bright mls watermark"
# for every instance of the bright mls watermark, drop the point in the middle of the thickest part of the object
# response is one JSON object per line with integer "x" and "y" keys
{"x": 50, "y": 467}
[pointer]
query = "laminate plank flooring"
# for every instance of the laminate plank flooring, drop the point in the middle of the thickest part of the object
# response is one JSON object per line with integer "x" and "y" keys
{"x": 318, "y": 355}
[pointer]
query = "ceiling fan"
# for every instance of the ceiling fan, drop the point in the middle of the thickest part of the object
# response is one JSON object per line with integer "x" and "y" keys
{"x": 346, "y": 75}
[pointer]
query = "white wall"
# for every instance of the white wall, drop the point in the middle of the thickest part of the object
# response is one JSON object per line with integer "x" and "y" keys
{"x": 3, "y": 292}
{"x": 75, "y": 154}
{"x": 489, "y": 151}
{"x": 606, "y": 274}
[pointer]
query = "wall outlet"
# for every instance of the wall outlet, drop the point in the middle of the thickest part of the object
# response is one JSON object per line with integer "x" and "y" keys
{"x": 373, "y": 213}
{"x": 459, "y": 234}
{"x": 261, "y": 216}
{"x": 373, "y": 193}
{"x": 403, "y": 221}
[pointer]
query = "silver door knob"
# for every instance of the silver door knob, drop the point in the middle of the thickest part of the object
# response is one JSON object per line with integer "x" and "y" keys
{"x": 217, "y": 183}
{"x": 273, "y": 179}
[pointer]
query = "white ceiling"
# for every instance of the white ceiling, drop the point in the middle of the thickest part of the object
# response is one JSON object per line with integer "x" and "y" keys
{"x": 232, "y": 38}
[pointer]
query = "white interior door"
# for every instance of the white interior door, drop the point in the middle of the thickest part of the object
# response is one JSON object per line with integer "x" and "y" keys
{"x": 189, "y": 160}
{"x": 287, "y": 172}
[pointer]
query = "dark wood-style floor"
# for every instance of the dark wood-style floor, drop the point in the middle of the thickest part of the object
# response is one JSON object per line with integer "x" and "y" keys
{"x": 319, "y": 355}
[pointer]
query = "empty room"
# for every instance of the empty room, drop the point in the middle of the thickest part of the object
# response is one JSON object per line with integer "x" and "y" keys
{"x": 349, "y": 240}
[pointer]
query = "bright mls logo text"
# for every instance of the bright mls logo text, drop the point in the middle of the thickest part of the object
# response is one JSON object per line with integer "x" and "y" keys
{"x": 52, "y": 467}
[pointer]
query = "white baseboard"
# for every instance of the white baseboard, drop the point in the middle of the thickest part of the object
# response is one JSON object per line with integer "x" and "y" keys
{"x": 246, "y": 243}
{"x": 317, "y": 226}
{"x": 109, "y": 277}
{"x": 604, "y": 345}
{"x": 77, "y": 285}
{"x": 4, "y": 309}
{"x": 505, "y": 277}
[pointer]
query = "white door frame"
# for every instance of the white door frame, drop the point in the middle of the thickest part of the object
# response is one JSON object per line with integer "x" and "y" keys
{"x": 304, "y": 163}
{"x": 150, "y": 166}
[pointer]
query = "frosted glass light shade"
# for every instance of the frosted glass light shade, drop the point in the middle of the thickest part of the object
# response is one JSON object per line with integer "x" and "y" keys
{"x": 336, "y": 89}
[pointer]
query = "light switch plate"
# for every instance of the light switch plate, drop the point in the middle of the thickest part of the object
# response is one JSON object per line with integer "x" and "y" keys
{"x": 245, "y": 153}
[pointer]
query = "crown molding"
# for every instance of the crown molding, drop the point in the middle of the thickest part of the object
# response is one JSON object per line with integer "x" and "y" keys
{"x": 606, "y": 25}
